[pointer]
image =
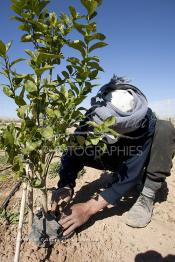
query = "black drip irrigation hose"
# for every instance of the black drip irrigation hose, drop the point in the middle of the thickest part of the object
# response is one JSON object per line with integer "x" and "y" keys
{"x": 13, "y": 191}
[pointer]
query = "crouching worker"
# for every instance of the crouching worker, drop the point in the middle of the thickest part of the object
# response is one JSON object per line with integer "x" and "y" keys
{"x": 143, "y": 152}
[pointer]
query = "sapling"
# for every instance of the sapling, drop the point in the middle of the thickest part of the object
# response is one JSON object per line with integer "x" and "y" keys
{"x": 47, "y": 98}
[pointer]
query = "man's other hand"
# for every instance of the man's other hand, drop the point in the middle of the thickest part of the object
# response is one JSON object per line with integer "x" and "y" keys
{"x": 60, "y": 198}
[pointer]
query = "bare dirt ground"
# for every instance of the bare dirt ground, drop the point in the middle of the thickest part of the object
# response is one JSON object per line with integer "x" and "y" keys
{"x": 105, "y": 238}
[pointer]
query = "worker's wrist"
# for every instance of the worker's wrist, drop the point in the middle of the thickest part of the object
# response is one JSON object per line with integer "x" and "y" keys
{"x": 96, "y": 204}
{"x": 67, "y": 186}
{"x": 62, "y": 183}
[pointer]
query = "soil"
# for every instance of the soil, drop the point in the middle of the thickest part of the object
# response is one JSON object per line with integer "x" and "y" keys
{"x": 105, "y": 238}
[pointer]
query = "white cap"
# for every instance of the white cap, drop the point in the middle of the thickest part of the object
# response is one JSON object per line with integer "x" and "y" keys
{"x": 121, "y": 99}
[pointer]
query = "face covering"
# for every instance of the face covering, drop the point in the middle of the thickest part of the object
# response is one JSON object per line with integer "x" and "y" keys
{"x": 129, "y": 106}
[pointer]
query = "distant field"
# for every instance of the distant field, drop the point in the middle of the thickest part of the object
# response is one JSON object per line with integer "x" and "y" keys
{"x": 172, "y": 121}
{"x": 6, "y": 122}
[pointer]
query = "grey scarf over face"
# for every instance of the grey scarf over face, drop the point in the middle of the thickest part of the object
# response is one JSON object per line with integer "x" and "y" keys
{"x": 126, "y": 122}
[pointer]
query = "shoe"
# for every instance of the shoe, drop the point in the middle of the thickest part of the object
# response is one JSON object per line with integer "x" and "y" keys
{"x": 141, "y": 212}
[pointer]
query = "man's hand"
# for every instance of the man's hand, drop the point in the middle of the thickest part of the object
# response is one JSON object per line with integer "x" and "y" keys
{"x": 80, "y": 214}
{"x": 60, "y": 198}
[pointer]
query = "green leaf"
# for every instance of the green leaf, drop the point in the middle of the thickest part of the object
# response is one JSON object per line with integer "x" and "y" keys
{"x": 90, "y": 5}
{"x": 30, "y": 86}
{"x": 26, "y": 38}
{"x": 73, "y": 12}
{"x": 53, "y": 19}
{"x": 17, "y": 164}
{"x": 93, "y": 15}
{"x": 74, "y": 87}
{"x": 110, "y": 121}
{"x": 47, "y": 132}
{"x": 17, "y": 18}
{"x": 23, "y": 76}
{"x": 92, "y": 58}
{"x": 7, "y": 91}
{"x": 17, "y": 61}
{"x": 21, "y": 111}
{"x": 37, "y": 183}
{"x": 26, "y": 16}
{"x": 42, "y": 5}
{"x": 63, "y": 91}
{"x": 70, "y": 69}
{"x": 50, "y": 112}
{"x": 32, "y": 146}
{"x": 16, "y": 82}
{"x": 95, "y": 65}
{"x": 40, "y": 71}
{"x": 2, "y": 49}
{"x": 8, "y": 45}
{"x": 95, "y": 141}
{"x": 60, "y": 81}
{"x": 93, "y": 124}
{"x": 74, "y": 60}
{"x": 65, "y": 74}
{"x": 91, "y": 28}
{"x": 57, "y": 113}
{"x": 30, "y": 53}
{"x": 93, "y": 74}
{"x": 97, "y": 36}
{"x": 44, "y": 56}
{"x": 97, "y": 45}
{"x": 80, "y": 28}
{"x": 53, "y": 96}
{"x": 78, "y": 45}
{"x": 8, "y": 138}
{"x": 16, "y": 7}
{"x": 79, "y": 99}
{"x": 19, "y": 100}
{"x": 53, "y": 113}
{"x": 24, "y": 27}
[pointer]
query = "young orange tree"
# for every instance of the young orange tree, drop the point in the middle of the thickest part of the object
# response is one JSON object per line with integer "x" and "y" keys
{"x": 47, "y": 99}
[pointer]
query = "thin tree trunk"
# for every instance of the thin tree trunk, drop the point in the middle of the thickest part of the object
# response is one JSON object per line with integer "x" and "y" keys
{"x": 29, "y": 174}
{"x": 30, "y": 207}
{"x": 20, "y": 225}
{"x": 44, "y": 199}
{"x": 44, "y": 190}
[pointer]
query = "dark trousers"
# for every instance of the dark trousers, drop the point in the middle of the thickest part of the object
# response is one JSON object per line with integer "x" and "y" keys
{"x": 162, "y": 152}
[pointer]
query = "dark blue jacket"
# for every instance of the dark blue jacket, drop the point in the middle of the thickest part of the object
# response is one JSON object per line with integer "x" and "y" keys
{"x": 128, "y": 161}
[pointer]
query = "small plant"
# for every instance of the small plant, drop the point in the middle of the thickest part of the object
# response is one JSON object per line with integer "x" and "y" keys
{"x": 53, "y": 170}
{"x": 10, "y": 217}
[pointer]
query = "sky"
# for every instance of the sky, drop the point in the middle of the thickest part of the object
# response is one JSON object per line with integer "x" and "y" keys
{"x": 141, "y": 47}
